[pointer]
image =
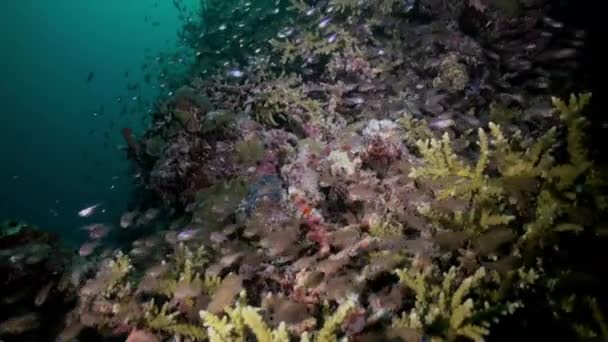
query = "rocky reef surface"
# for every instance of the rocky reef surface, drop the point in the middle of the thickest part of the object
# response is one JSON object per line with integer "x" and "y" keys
{"x": 35, "y": 294}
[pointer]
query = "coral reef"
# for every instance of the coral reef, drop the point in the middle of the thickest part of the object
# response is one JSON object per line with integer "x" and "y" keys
{"x": 372, "y": 177}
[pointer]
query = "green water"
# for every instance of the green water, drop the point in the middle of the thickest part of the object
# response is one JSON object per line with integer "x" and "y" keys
{"x": 57, "y": 156}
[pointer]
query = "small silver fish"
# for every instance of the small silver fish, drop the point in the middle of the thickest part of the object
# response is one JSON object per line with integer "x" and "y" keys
{"x": 353, "y": 101}
{"x": 88, "y": 211}
{"x": 332, "y": 38}
{"x": 323, "y": 23}
{"x": 187, "y": 234}
{"x": 236, "y": 73}
{"x": 286, "y": 32}
{"x": 441, "y": 123}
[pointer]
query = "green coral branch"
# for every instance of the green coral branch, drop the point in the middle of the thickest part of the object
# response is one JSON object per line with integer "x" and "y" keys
{"x": 115, "y": 273}
{"x": 162, "y": 320}
{"x": 415, "y": 129}
{"x": 333, "y": 322}
{"x": 576, "y": 124}
{"x": 486, "y": 183}
{"x": 443, "y": 303}
{"x": 241, "y": 318}
{"x": 442, "y": 162}
{"x": 557, "y": 189}
{"x": 283, "y": 98}
{"x": 385, "y": 227}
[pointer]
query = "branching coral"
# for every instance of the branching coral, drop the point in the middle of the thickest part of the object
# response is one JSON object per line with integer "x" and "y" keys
{"x": 333, "y": 322}
{"x": 559, "y": 193}
{"x": 565, "y": 198}
{"x": 242, "y": 318}
{"x": 446, "y": 305}
{"x": 282, "y": 99}
{"x": 163, "y": 321}
{"x": 578, "y": 156}
{"x": 197, "y": 259}
{"x": 470, "y": 183}
{"x": 385, "y": 227}
{"x": 415, "y": 129}
{"x": 111, "y": 279}
{"x": 188, "y": 284}
{"x": 479, "y": 184}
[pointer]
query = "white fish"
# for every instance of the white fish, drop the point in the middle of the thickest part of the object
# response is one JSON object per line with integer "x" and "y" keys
{"x": 323, "y": 23}
{"x": 332, "y": 38}
{"x": 188, "y": 234}
{"x": 441, "y": 123}
{"x": 236, "y": 73}
{"x": 88, "y": 211}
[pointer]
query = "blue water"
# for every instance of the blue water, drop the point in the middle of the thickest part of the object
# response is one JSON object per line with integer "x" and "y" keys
{"x": 59, "y": 149}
